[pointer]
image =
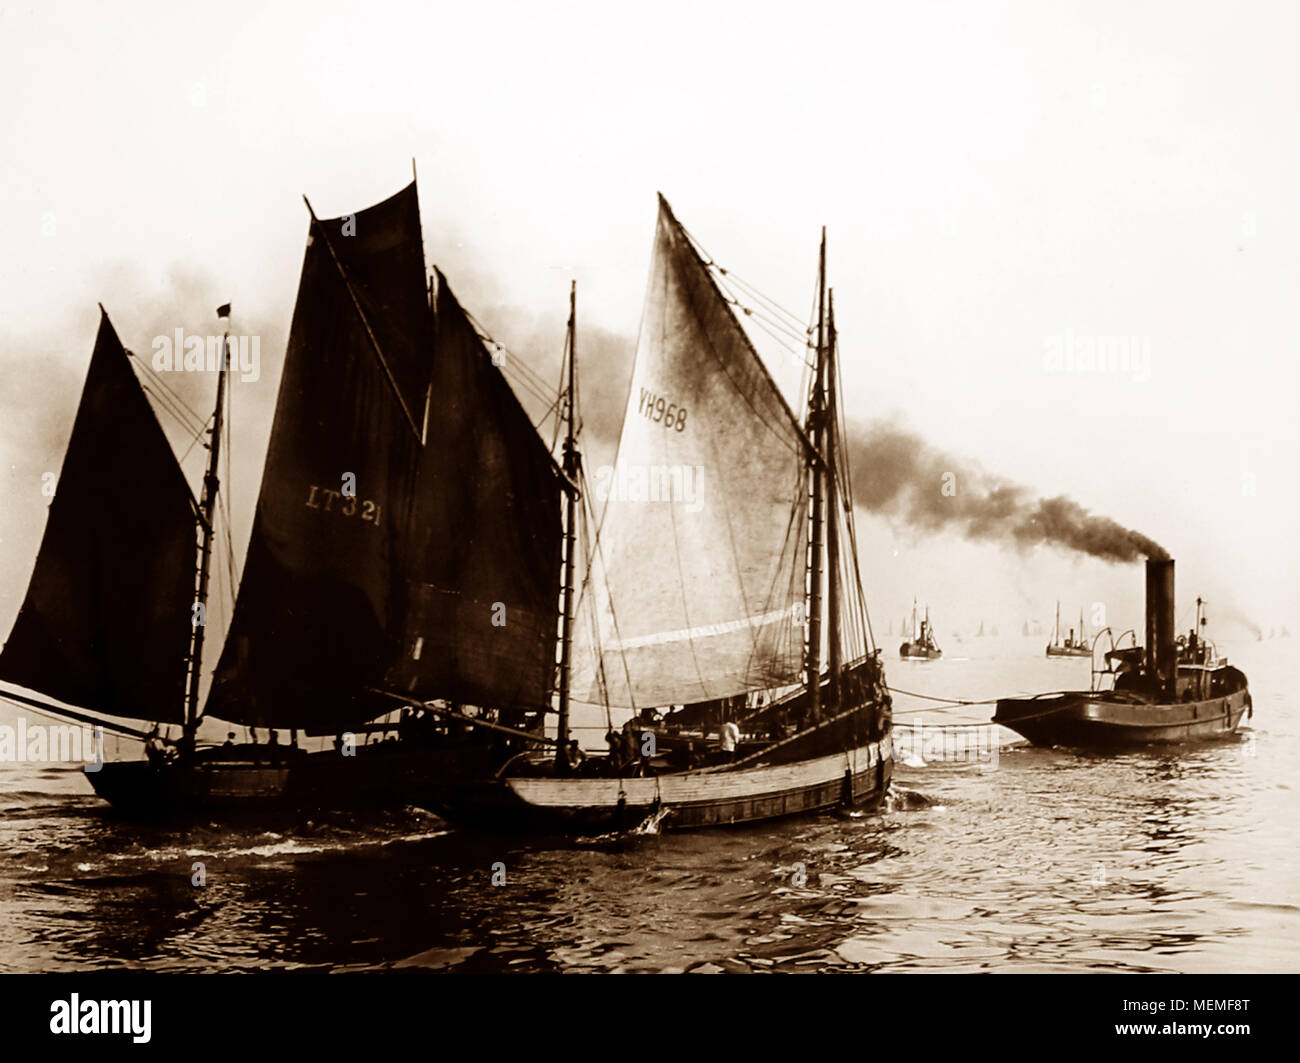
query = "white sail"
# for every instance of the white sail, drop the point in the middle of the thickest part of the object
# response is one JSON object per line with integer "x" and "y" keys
{"x": 704, "y": 532}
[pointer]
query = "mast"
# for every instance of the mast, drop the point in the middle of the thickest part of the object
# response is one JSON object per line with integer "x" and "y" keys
{"x": 1056, "y": 633}
{"x": 832, "y": 505}
{"x": 817, "y": 423}
{"x": 207, "y": 510}
{"x": 571, "y": 466}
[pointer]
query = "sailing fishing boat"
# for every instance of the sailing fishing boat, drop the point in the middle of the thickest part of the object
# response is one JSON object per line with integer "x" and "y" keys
{"x": 922, "y": 643}
{"x": 712, "y": 607}
{"x": 1070, "y": 646}
{"x": 407, "y": 506}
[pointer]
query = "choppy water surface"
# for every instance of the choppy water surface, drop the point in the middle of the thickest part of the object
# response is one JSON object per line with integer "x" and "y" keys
{"x": 1034, "y": 860}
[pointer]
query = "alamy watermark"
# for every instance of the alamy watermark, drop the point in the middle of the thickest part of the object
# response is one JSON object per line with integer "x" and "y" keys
{"x": 1116, "y": 355}
{"x": 77, "y": 1016}
{"x": 628, "y": 482}
{"x": 180, "y": 353}
{"x": 916, "y": 744}
{"x": 39, "y": 743}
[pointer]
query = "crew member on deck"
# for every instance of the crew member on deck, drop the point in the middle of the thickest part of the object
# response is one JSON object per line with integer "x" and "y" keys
{"x": 154, "y": 748}
{"x": 631, "y": 747}
{"x": 730, "y": 736}
{"x": 775, "y": 727}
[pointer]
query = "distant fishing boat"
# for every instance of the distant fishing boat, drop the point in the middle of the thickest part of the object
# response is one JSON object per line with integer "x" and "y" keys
{"x": 382, "y": 542}
{"x": 1070, "y": 646}
{"x": 1173, "y": 690}
{"x": 922, "y": 644}
{"x": 980, "y": 633}
{"x": 711, "y": 618}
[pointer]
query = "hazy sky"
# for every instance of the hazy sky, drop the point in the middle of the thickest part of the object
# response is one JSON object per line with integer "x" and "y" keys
{"x": 999, "y": 181}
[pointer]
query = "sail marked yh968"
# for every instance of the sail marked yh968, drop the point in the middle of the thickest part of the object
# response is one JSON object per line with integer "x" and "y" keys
{"x": 106, "y": 623}
{"x": 709, "y": 596}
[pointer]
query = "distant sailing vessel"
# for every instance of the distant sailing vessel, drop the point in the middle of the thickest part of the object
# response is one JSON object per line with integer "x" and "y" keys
{"x": 922, "y": 644}
{"x": 406, "y": 501}
{"x": 1173, "y": 690}
{"x": 712, "y": 615}
{"x": 1070, "y": 646}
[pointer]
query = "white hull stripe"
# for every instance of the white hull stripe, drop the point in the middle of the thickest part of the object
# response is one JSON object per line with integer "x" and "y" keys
{"x": 692, "y": 789}
{"x": 661, "y": 638}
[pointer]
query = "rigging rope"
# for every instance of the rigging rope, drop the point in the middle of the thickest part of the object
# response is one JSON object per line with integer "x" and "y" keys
{"x": 173, "y": 403}
{"x": 945, "y": 701}
{"x": 711, "y": 264}
{"x": 197, "y": 436}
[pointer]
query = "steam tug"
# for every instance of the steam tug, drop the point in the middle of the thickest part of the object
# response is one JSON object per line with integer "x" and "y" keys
{"x": 1172, "y": 690}
{"x": 922, "y": 643}
{"x": 1069, "y": 646}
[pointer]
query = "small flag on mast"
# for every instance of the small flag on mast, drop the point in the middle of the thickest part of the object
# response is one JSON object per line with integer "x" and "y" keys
{"x": 223, "y": 310}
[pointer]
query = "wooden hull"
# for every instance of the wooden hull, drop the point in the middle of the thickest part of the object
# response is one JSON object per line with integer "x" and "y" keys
{"x": 1068, "y": 651}
{"x": 688, "y": 800}
{"x": 378, "y": 777}
{"x": 1108, "y": 720}
{"x": 924, "y": 653}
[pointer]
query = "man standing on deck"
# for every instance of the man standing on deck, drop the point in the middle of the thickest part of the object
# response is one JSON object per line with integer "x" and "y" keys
{"x": 730, "y": 736}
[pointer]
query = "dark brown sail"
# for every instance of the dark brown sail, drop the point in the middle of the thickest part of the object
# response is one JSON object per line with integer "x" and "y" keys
{"x": 318, "y": 615}
{"x": 107, "y": 619}
{"x": 485, "y": 541}
{"x": 382, "y": 252}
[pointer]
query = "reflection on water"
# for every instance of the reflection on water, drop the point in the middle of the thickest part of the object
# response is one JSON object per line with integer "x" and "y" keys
{"x": 1047, "y": 860}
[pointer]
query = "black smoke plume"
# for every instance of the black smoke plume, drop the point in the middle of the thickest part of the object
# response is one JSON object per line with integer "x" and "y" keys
{"x": 898, "y": 474}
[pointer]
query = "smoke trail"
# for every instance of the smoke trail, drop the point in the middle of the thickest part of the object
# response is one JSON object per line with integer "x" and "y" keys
{"x": 896, "y": 473}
